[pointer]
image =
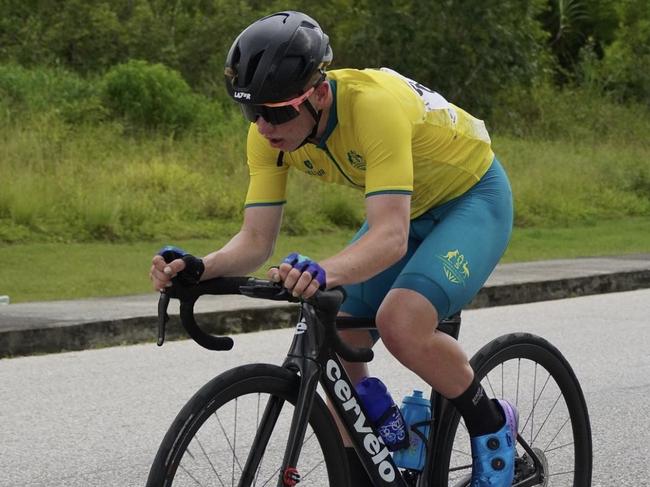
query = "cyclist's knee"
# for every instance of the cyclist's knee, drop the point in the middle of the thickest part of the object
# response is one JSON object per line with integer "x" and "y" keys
{"x": 404, "y": 320}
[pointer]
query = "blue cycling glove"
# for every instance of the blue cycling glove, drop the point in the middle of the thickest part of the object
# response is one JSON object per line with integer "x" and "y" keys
{"x": 194, "y": 267}
{"x": 305, "y": 264}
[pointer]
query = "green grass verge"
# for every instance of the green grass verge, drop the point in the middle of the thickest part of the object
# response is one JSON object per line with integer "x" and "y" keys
{"x": 49, "y": 271}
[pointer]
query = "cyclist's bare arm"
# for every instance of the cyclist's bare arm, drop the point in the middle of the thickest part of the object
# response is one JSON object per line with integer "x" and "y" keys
{"x": 250, "y": 248}
{"x": 243, "y": 254}
{"x": 381, "y": 246}
{"x": 384, "y": 244}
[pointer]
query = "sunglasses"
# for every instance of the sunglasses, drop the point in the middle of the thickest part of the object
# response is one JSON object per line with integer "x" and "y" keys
{"x": 276, "y": 113}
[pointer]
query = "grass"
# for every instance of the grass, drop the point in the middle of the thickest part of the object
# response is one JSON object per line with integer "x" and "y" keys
{"x": 48, "y": 271}
{"x": 89, "y": 179}
{"x": 610, "y": 237}
{"x": 86, "y": 197}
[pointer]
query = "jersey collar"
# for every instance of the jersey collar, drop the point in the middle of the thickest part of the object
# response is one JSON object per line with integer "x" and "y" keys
{"x": 332, "y": 119}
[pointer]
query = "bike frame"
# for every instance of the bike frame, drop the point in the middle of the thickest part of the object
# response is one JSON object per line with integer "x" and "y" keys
{"x": 312, "y": 358}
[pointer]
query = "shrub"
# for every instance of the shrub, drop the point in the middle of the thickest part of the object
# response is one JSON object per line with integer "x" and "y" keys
{"x": 151, "y": 96}
{"x": 49, "y": 90}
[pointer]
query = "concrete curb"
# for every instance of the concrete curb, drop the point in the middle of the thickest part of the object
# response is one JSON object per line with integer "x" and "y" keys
{"x": 38, "y": 331}
{"x": 531, "y": 292}
{"x": 115, "y": 332}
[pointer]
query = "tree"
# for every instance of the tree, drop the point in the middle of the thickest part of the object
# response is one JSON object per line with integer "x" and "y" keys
{"x": 466, "y": 49}
{"x": 625, "y": 68}
{"x": 573, "y": 25}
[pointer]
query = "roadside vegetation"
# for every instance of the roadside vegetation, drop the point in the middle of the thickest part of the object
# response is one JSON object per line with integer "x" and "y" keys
{"x": 115, "y": 132}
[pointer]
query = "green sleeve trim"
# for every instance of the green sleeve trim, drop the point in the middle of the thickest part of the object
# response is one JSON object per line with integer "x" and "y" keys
{"x": 274, "y": 203}
{"x": 389, "y": 191}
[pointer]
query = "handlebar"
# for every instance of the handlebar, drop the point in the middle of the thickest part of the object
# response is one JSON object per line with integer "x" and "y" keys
{"x": 325, "y": 303}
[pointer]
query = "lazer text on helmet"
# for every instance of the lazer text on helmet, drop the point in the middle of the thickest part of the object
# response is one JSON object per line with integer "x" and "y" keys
{"x": 241, "y": 94}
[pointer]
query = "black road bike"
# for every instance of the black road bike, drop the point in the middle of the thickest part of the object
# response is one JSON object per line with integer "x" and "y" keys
{"x": 265, "y": 425}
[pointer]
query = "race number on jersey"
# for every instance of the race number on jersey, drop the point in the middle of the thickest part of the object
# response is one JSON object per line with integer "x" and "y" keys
{"x": 431, "y": 99}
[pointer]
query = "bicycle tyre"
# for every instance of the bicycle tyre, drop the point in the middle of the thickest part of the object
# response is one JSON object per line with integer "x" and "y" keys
{"x": 239, "y": 386}
{"x": 495, "y": 359}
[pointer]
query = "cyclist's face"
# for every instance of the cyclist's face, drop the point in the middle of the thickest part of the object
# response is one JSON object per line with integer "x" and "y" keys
{"x": 289, "y": 135}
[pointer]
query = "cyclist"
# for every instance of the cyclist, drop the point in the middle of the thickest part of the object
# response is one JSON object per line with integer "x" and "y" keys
{"x": 438, "y": 210}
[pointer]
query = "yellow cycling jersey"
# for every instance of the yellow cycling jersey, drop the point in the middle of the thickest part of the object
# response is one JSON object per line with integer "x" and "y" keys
{"x": 385, "y": 134}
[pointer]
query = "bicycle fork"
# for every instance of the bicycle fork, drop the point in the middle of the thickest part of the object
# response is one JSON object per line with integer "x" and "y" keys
{"x": 309, "y": 376}
{"x": 289, "y": 475}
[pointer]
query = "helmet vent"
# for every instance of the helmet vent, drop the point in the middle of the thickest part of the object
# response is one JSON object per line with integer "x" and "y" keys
{"x": 252, "y": 67}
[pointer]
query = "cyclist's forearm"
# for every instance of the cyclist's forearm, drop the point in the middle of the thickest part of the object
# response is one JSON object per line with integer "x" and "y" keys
{"x": 241, "y": 256}
{"x": 372, "y": 253}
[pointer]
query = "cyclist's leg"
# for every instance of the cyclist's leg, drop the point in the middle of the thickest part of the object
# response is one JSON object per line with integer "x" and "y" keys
{"x": 466, "y": 237}
{"x": 462, "y": 241}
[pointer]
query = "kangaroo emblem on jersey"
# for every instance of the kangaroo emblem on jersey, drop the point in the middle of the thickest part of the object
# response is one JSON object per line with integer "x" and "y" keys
{"x": 356, "y": 160}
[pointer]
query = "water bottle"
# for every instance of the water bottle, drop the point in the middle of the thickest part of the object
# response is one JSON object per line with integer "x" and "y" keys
{"x": 383, "y": 413}
{"x": 415, "y": 409}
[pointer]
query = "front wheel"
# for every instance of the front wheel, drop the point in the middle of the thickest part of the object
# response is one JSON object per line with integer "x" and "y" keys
{"x": 212, "y": 440}
{"x": 553, "y": 418}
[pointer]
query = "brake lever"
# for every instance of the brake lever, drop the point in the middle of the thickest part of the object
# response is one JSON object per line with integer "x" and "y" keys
{"x": 163, "y": 317}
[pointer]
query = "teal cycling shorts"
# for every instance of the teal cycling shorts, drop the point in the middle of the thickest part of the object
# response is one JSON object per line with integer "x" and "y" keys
{"x": 452, "y": 249}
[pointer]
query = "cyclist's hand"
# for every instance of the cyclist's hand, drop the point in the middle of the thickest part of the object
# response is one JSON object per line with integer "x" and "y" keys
{"x": 162, "y": 273}
{"x": 300, "y": 275}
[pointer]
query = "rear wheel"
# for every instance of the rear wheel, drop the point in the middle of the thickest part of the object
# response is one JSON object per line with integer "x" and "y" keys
{"x": 553, "y": 418}
{"x": 211, "y": 441}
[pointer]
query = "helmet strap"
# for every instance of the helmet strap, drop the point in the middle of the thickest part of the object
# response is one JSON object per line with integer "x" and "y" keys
{"x": 316, "y": 116}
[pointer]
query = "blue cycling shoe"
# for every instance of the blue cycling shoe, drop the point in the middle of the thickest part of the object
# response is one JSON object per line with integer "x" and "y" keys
{"x": 493, "y": 455}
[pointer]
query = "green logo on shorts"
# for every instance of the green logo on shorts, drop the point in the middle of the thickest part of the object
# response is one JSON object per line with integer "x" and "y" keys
{"x": 455, "y": 266}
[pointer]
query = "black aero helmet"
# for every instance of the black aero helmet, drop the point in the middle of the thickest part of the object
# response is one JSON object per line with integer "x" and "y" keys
{"x": 277, "y": 58}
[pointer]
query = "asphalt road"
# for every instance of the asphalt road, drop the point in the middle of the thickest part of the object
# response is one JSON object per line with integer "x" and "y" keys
{"x": 95, "y": 418}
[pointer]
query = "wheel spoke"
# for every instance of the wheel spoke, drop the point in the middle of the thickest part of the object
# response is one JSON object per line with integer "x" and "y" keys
{"x": 548, "y": 416}
{"x": 546, "y": 448}
{"x": 487, "y": 378}
{"x": 518, "y": 378}
{"x": 314, "y": 468}
{"x": 502, "y": 382}
{"x": 273, "y": 475}
{"x": 532, "y": 409}
{"x": 257, "y": 425}
{"x": 192, "y": 477}
{"x": 536, "y": 398}
{"x": 230, "y": 445}
{"x": 207, "y": 457}
{"x": 567, "y": 472}
{"x": 559, "y": 447}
